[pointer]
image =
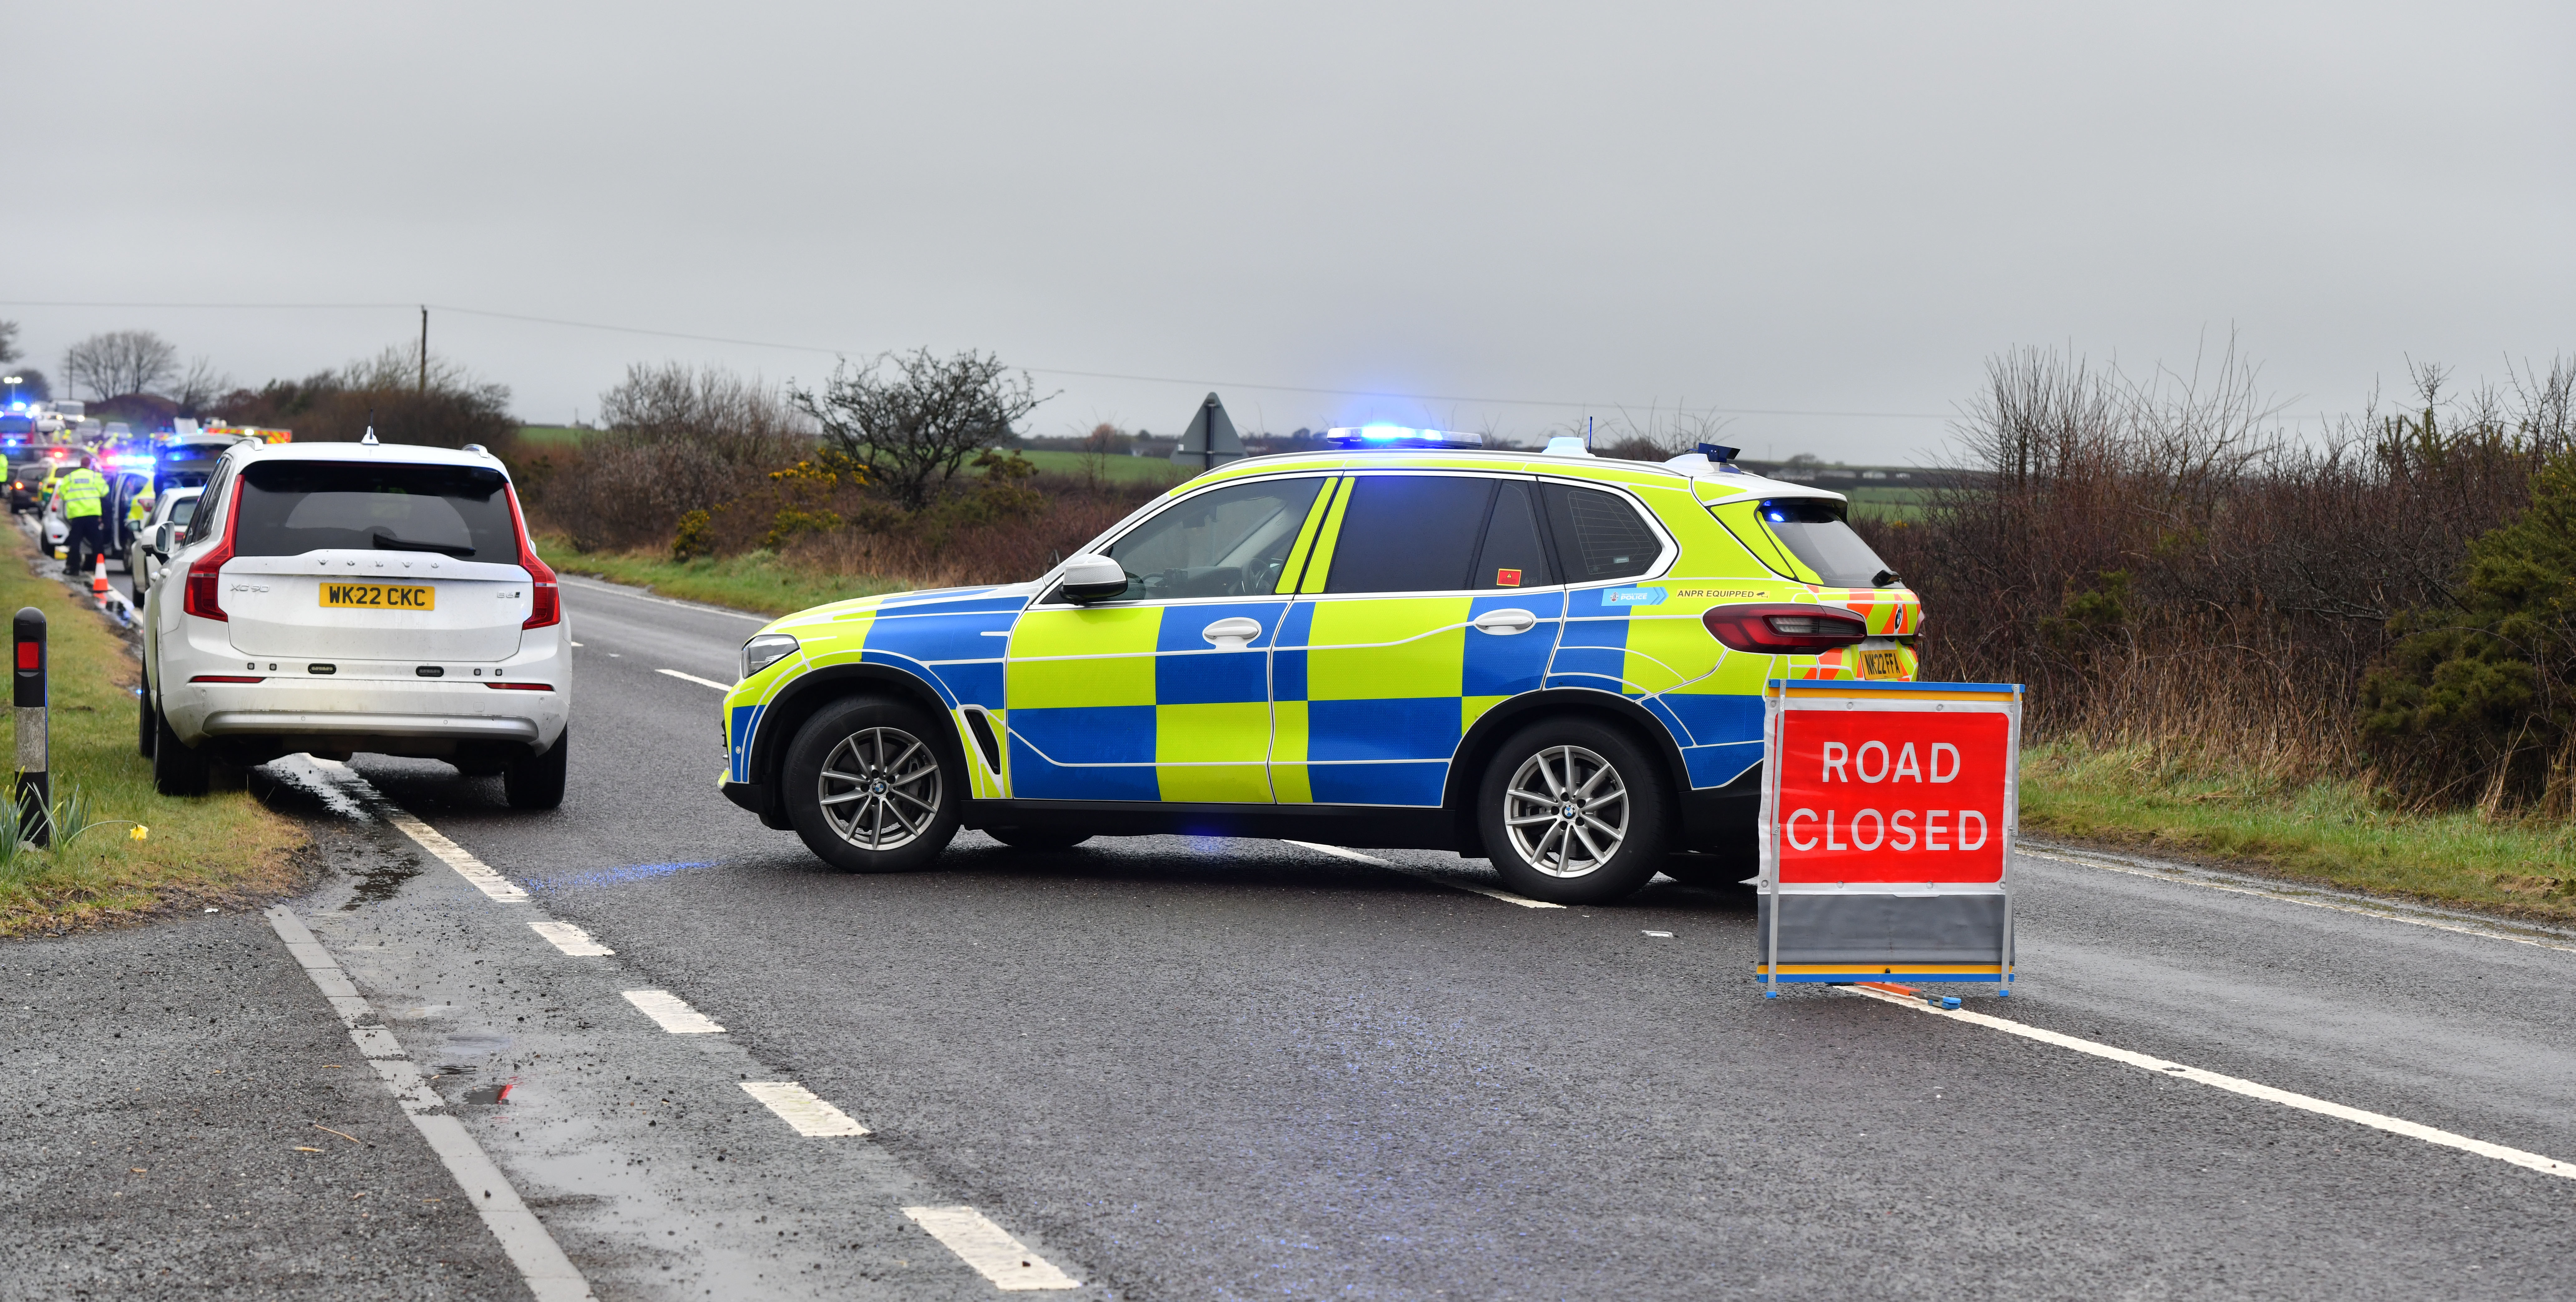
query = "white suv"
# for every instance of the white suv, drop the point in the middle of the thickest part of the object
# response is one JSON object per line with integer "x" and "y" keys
{"x": 339, "y": 597}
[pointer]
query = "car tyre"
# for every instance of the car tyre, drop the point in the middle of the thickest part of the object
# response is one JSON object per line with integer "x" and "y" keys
{"x": 176, "y": 769}
{"x": 1028, "y": 838}
{"x": 1572, "y": 812}
{"x": 871, "y": 787}
{"x": 537, "y": 781}
{"x": 147, "y": 717}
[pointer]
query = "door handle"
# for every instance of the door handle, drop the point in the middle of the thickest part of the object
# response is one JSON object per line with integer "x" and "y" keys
{"x": 1503, "y": 623}
{"x": 1231, "y": 634}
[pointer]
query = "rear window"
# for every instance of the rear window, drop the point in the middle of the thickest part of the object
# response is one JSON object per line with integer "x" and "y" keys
{"x": 289, "y": 508}
{"x": 1813, "y": 529}
{"x": 1598, "y": 535}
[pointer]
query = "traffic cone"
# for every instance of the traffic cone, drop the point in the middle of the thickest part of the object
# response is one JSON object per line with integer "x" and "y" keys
{"x": 98, "y": 580}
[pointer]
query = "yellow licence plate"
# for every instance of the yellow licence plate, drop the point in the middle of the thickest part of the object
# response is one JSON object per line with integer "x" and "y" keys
{"x": 381, "y": 596}
{"x": 1881, "y": 664}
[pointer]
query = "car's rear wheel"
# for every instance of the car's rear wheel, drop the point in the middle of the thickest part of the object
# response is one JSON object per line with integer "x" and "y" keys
{"x": 176, "y": 770}
{"x": 1572, "y": 813}
{"x": 149, "y": 718}
{"x": 868, "y": 787}
{"x": 537, "y": 782}
{"x": 1024, "y": 838}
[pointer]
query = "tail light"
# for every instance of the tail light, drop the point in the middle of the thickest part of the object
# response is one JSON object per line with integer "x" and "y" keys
{"x": 203, "y": 597}
{"x": 1784, "y": 629}
{"x": 545, "y": 607}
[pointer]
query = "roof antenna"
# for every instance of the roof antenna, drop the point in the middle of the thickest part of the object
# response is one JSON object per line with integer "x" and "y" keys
{"x": 369, "y": 438}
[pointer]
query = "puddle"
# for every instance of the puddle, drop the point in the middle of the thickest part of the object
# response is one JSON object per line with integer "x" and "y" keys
{"x": 380, "y": 885}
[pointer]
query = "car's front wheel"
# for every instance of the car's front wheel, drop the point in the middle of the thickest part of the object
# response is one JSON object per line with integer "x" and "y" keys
{"x": 1572, "y": 813}
{"x": 869, "y": 788}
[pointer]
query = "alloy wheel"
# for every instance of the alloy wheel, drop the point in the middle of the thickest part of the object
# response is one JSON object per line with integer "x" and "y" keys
{"x": 879, "y": 788}
{"x": 1567, "y": 811}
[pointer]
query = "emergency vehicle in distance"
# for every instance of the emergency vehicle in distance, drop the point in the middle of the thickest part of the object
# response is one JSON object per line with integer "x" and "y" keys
{"x": 1549, "y": 660}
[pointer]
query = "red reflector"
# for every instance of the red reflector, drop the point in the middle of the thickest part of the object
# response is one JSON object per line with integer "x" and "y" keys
{"x": 520, "y": 687}
{"x": 27, "y": 652}
{"x": 225, "y": 678}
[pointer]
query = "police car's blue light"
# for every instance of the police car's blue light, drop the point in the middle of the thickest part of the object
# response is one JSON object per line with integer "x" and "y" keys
{"x": 1401, "y": 436}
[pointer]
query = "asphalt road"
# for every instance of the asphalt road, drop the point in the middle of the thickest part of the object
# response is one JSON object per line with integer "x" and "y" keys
{"x": 1176, "y": 1067}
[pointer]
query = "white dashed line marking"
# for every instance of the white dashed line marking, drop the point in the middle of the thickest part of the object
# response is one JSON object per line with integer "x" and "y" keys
{"x": 672, "y": 1013}
{"x": 1661, "y": 935}
{"x": 1488, "y": 892}
{"x": 798, "y": 1107}
{"x": 570, "y": 939}
{"x": 2238, "y": 1085}
{"x": 693, "y": 678}
{"x": 550, "y": 1275}
{"x": 982, "y": 1244}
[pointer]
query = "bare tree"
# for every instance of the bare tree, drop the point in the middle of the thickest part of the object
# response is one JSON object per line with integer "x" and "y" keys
{"x": 120, "y": 362}
{"x": 8, "y": 342}
{"x": 913, "y": 419}
{"x": 201, "y": 388}
{"x": 739, "y": 420}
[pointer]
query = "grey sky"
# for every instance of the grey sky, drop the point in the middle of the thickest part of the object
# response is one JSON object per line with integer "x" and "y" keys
{"x": 1825, "y": 207}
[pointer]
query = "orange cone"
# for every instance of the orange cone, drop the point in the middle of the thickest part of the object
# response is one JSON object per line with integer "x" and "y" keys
{"x": 98, "y": 579}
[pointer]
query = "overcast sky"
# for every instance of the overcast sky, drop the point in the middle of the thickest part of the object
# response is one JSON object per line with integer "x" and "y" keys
{"x": 1529, "y": 212}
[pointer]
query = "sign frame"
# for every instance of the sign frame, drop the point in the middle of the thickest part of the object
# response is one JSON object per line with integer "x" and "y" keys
{"x": 1925, "y": 917}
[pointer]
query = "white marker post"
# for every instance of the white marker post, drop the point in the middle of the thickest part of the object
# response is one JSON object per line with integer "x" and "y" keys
{"x": 1888, "y": 814}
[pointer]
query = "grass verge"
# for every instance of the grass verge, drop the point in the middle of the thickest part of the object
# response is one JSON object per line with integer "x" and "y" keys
{"x": 224, "y": 848}
{"x": 2327, "y": 832}
{"x": 756, "y": 581}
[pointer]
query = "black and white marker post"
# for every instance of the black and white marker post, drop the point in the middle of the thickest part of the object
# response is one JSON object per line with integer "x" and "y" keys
{"x": 35, "y": 786}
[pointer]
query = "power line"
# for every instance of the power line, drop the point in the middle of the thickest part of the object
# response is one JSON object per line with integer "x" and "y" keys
{"x": 1040, "y": 370}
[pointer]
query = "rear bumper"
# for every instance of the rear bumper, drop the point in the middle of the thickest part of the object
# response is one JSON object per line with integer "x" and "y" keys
{"x": 424, "y": 716}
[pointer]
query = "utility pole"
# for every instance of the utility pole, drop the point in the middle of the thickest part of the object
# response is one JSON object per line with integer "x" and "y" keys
{"x": 424, "y": 348}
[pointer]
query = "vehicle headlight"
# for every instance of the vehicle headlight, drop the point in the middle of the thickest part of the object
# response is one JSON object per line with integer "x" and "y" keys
{"x": 766, "y": 650}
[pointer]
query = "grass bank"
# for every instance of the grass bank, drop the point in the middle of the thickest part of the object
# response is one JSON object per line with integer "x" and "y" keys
{"x": 2328, "y": 832}
{"x": 223, "y": 848}
{"x": 758, "y": 581}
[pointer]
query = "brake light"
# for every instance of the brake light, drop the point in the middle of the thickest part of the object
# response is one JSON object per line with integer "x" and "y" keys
{"x": 1784, "y": 629}
{"x": 225, "y": 678}
{"x": 205, "y": 582}
{"x": 520, "y": 687}
{"x": 545, "y": 606}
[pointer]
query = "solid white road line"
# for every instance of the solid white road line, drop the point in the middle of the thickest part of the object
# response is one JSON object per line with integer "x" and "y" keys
{"x": 550, "y": 1275}
{"x": 448, "y": 852}
{"x": 798, "y": 1107}
{"x": 672, "y": 1012}
{"x": 1488, "y": 892}
{"x": 693, "y": 678}
{"x": 2250, "y": 1089}
{"x": 2336, "y": 905}
{"x": 982, "y": 1244}
{"x": 570, "y": 939}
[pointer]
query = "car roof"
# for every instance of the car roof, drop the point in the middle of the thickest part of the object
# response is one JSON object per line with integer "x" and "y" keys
{"x": 410, "y": 454}
{"x": 1680, "y": 472}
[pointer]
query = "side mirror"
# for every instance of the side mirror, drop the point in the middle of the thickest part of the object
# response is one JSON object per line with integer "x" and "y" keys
{"x": 161, "y": 539}
{"x": 1093, "y": 578}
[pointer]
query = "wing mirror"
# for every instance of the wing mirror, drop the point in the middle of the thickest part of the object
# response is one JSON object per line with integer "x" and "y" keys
{"x": 1090, "y": 578}
{"x": 161, "y": 539}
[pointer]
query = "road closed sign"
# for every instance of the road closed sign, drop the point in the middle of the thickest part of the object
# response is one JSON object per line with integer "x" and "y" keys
{"x": 1888, "y": 813}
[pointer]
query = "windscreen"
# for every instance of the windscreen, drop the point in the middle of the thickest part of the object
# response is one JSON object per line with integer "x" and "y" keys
{"x": 1813, "y": 530}
{"x": 289, "y": 508}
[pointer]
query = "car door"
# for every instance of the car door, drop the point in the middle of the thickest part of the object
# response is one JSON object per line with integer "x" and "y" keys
{"x": 1431, "y": 598}
{"x": 1163, "y": 693}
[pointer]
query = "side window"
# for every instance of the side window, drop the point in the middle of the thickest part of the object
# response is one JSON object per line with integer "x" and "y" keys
{"x": 203, "y": 521}
{"x": 1598, "y": 535}
{"x": 1515, "y": 555}
{"x": 1232, "y": 542}
{"x": 1410, "y": 533}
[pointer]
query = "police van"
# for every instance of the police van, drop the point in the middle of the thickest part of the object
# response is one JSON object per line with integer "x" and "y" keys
{"x": 1549, "y": 660}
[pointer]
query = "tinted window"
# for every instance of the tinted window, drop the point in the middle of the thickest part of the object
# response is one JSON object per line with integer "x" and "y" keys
{"x": 1598, "y": 535}
{"x": 1232, "y": 542}
{"x": 289, "y": 508}
{"x": 1813, "y": 530}
{"x": 1515, "y": 554}
{"x": 202, "y": 524}
{"x": 1409, "y": 533}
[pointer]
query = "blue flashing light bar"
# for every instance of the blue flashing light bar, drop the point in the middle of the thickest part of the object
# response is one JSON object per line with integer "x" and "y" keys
{"x": 1400, "y": 436}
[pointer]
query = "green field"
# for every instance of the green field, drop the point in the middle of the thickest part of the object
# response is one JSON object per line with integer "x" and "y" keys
{"x": 542, "y": 435}
{"x": 1888, "y": 503}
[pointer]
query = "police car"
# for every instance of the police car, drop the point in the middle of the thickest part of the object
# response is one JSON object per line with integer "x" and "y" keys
{"x": 1549, "y": 660}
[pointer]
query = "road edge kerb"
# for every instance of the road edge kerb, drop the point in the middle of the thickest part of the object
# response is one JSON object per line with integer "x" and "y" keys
{"x": 542, "y": 1265}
